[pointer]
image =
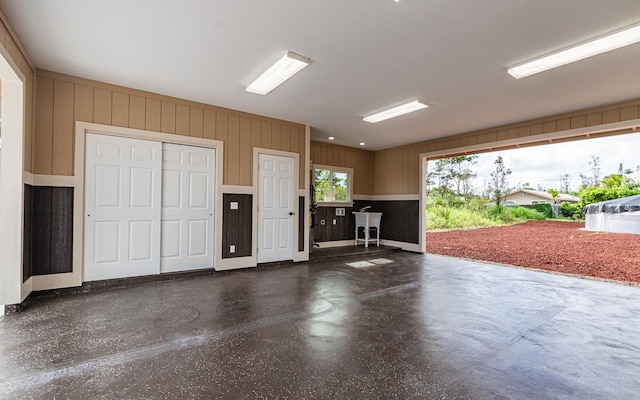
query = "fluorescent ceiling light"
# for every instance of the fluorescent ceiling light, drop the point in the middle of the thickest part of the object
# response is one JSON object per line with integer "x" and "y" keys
{"x": 397, "y": 111}
{"x": 576, "y": 53}
{"x": 282, "y": 70}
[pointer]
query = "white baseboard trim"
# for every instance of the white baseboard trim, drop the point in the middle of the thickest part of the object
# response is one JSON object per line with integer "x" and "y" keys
{"x": 414, "y": 247}
{"x": 387, "y": 197}
{"x": 336, "y": 243}
{"x": 227, "y": 264}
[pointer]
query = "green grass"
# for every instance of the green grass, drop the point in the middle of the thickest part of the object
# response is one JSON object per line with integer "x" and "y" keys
{"x": 441, "y": 217}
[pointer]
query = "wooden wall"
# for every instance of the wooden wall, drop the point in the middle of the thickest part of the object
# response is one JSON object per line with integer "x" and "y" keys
{"x": 18, "y": 56}
{"x": 397, "y": 170}
{"x": 339, "y": 156}
{"x": 61, "y": 100}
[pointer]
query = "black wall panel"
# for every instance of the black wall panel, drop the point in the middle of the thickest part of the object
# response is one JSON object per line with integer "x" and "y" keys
{"x": 236, "y": 225}
{"x": 400, "y": 221}
{"x": 302, "y": 224}
{"x": 48, "y": 230}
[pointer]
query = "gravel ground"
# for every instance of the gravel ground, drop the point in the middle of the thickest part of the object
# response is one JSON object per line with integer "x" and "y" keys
{"x": 548, "y": 245}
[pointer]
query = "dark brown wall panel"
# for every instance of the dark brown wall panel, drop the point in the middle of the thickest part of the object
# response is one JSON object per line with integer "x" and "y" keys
{"x": 302, "y": 224}
{"x": 400, "y": 221}
{"x": 50, "y": 226}
{"x": 26, "y": 238}
{"x": 236, "y": 225}
{"x": 343, "y": 228}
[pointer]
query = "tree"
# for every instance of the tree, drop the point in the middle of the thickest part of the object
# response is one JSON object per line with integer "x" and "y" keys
{"x": 498, "y": 183}
{"x": 594, "y": 164}
{"x": 613, "y": 180}
{"x": 566, "y": 182}
{"x": 453, "y": 176}
{"x": 554, "y": 194}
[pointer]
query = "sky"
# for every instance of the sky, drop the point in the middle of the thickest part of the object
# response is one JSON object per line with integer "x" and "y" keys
{"x": 545, "y": 165}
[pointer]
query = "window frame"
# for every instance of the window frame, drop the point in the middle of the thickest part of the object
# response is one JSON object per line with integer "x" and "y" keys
{"x": 334, "y": 169}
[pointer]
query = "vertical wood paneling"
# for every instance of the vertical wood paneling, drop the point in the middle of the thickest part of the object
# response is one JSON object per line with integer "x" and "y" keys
{"x": 233, "y": 164}
{"x": 256, "y": 133}
{"x": 222, "y": 133}
{"x": 43, "y": 155}
{"x": 196, "y": 123}
{"x": 629, "y": 112}
{"x": 209, "y": 124}
{"x": 120, "y": 109}
{"x": 137, "y": 112}
{"x": 276, "y": 136}
{"x": 611, "y": 116}
{"x": 286, "y": 138}
{"x": 246, "y": 156}
{"x": 153, "y": 115}
{"x": 29, "y": 122}
{"x": 578, "y": 122}
{"x": 83, "y": 103}
{"x": 102, "y": 106}
{"x": 63, "y": 128}
{"x": 408, "y": 175}
{"x": 168, "y": 117}
{"x": 266, "y": 135}
{"x": 182, "y": 120}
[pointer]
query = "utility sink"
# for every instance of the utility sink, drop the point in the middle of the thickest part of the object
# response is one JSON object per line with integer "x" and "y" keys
{"x": 368, "y": 221}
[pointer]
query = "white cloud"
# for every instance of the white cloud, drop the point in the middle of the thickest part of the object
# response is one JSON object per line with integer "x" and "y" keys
{"x": 545, "y": 165}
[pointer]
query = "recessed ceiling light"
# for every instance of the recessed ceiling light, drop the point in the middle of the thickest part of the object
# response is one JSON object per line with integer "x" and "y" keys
{"x": 579, "y": 52}
{"x": 362, "y": 143}
{"x": 331, "y": 138}
{"x": 279, "y": 72}
{"x": 397, "y": 111}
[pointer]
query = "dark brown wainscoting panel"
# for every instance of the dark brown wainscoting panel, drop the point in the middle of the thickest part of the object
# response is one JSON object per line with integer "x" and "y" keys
{"x": 400, "y": 218}
{"x": 343, "y": 229}
{"x": 301, "y": 223}
{"x": 26, "y": 235}
{"x": 236, "y": 225}
{"x": 50, "y": 230}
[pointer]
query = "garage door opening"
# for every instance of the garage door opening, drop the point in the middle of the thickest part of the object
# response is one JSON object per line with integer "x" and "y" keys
{"x": 524, "y": 206}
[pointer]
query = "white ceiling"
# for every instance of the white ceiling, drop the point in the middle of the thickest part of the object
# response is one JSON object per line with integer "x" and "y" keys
{"x": 367, "y": 55}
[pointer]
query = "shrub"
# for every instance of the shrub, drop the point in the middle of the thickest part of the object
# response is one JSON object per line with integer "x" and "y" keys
{"x": 543, "y": 208}
{"x": 570, "y": 209}
{"x": 529, "y": 213}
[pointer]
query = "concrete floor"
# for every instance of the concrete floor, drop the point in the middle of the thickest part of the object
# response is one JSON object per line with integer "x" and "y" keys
{"x": 420, "y": 327}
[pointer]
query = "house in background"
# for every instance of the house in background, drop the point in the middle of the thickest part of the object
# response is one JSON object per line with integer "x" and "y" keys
{"x": 527, "y": 197}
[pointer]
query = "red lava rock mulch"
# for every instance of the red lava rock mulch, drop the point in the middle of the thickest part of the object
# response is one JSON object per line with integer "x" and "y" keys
{"x": 548, "y": 245}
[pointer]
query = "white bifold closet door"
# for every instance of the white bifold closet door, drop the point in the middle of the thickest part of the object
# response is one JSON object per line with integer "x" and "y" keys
{"x": 122, "y": 207}
{"x": 148, "y": 207}
{"x": 187, "y": 208}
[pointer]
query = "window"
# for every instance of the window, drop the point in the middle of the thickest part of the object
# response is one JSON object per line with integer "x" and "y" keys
{"x": 539, "y": 202}
{"x": 333, "y": 184}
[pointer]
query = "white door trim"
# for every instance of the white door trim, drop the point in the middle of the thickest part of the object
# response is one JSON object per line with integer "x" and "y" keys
{"x": 12, "y": 288}
{"x": 55, "y": 281}
{"x": 294, "y": 195}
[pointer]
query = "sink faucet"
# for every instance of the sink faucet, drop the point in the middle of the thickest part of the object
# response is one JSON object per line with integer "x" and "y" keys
{"x": 364, "y": 209}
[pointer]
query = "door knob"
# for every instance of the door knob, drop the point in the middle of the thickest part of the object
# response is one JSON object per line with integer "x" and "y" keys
{"x": 291, "y": 213}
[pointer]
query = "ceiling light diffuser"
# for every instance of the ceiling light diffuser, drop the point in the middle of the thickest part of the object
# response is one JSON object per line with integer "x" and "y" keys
{"x": 279, "y": 72}
{"x": 397, "y": 111}
{"x": 579, "y": 52}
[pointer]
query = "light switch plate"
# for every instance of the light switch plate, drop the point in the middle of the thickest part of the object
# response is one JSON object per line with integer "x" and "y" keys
{"x": 339, "y": 212}
{"x": 234, "y": 205}
{"x": 232, "y": 248}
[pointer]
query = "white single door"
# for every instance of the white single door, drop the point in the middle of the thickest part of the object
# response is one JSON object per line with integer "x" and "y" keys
{"x": 122, "y": 207}
{"x": 275, "y": 208}
{"x": 187, "y": 208}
